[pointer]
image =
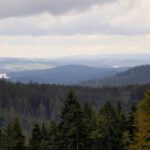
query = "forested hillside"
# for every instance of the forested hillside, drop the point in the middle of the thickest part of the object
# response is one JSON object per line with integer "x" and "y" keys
{"x": 43, "y": 102}
{"x": 81, "y": 128}
{"x": 136, "y": 75}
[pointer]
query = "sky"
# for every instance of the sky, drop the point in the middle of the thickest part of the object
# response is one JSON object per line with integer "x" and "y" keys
{"x": 59, "y": 28}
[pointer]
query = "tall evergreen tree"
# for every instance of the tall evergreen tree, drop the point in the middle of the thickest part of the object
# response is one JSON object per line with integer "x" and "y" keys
{"x": 13, "y": 136}
{"x": 53, "y": 137}
{"x": 36, "y": 138}
{"x": 88, "y": 125}
{"x": 120, "y": 127}
{"x": 109, "y": 132}
{"x": 1, "y": 146}
{"x": 70, "y": 124}
{"x": 132, "y": 125}
{"x": 44, "y": 137}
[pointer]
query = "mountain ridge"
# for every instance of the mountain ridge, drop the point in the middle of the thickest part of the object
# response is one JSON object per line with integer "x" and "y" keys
{"x": 135, "y": 75}
{"x": 66, "y": 74}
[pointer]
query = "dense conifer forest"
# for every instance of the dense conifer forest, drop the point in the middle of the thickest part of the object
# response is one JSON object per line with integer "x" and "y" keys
{"x": 43, "y": 102}
{"x": 81, "y": 128}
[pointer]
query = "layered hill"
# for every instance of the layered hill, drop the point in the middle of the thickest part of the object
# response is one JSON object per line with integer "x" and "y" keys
{"x": 68, "y": 74}
{"x": 136, "y": 75}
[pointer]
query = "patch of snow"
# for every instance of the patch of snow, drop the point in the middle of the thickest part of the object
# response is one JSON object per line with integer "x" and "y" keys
{"x": 116, "y": 66}
{"x": 4, "y": 76}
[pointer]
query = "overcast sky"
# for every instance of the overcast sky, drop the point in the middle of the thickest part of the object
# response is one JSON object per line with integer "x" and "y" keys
{"x": 56, "y": 28}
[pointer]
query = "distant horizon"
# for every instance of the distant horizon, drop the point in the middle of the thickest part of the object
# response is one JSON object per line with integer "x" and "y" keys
{"x": 77, "y": 56}
{"x": 9, "y": 64}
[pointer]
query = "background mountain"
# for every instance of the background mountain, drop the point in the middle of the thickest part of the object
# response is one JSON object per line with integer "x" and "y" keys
{"x": 60, "y": 71}
{"x": 68, "y": 74}
{"x": 108, "y": 60}
{"x": 136, "y": 75}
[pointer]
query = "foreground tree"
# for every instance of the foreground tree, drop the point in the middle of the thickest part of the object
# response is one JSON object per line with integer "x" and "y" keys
{"x": 1, "y": 143}
{"x": 110, "y": 129}
{"x": 132, "y": 126}
{"x": 143, "y": 124}
{"x": 80, "y": 128}
{"x": 44, "y": 137}
{"x": 36, "y": 138}
{"x": 88, "y": 125}
{"x": 70, "y": 125}
{"x": 53, "y": 140}
{"x": 13, "y": 138}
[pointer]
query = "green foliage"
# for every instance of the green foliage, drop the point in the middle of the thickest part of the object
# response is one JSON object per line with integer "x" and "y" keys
{"x": 41, "y": 102}
{"x": 82, "y": 128}
{"x": 110, "y": 128}
{"x": 142, "y": 136}
{"x": 89, "y": 124}
{"x": 36, "y": 138}
{"x": 1, "y": 140}
{"x": 70, "y": 124}
{"x": 132, "y": 125}
{"x": 44, "y": 137}
{"x": 53, "y": 136}
{"x": 13, "y": 138}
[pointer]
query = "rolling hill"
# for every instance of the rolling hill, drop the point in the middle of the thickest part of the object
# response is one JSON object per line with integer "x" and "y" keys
{"x": 68, "y": 74}
{"x": 136, "y": 75}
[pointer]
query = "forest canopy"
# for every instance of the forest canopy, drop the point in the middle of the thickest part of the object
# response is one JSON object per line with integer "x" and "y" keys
{"x": 80, "y": 128}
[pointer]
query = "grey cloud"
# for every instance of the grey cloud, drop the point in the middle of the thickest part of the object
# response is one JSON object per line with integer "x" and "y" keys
{"x": 110, "y": 18}
{"x": 12, "y": 8}
{"x": 49, "y": 25}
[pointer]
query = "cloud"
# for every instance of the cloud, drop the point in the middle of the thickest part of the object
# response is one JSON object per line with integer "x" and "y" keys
{"x": 121, "y": 17}
{"x": 130, "y": 16}
{"x": 73, "y": 27}
{"x": 11, "y": 8}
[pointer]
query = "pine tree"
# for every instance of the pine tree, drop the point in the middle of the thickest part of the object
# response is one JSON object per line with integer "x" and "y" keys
{"x": 53, "y": 136}
{"x": 88, "y": 124}
{"x": 0, "y": 135}
{"x": 132, "y": 125}
{"x": 121, "y": 127}
{"x": 44, "y": 137}
{"x": 70, "y": 125}
{"x": 13, "y": 136}
{"x": 1, "y": 143}
{"x": 110, "y": 127}
{"x": 36, "y": 138}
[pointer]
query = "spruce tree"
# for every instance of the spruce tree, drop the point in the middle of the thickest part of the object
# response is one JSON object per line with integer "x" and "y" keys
{"x": 88, "y": 124}
{"x": 53, "y": 136}
{"x": 36, "y": 138}
{"x": 13, "y": 136}
{"x": 120, "y": 128}
{"x": 108, "y": 134}
{"x": 1, "y": 143}
{"x": 70, "y": 124}
{"x": 44, "y": 137}
{"x": 132, "y": 125}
